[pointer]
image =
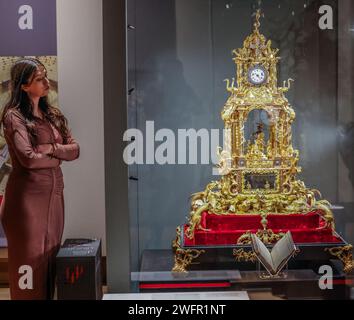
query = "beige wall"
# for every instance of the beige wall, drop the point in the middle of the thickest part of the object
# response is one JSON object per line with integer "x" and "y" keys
{"x": 80, "y": 76}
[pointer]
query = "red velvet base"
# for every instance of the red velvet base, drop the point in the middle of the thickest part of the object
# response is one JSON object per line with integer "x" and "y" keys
{"x": 226, "y": 229}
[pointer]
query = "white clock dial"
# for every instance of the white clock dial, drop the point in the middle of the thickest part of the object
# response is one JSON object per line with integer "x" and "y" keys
{"x": 257, "y": 75}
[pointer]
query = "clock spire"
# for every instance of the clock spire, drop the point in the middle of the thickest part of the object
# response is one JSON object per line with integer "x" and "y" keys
{"x": 257, "y": 52}
{"x": 257, "y": 23}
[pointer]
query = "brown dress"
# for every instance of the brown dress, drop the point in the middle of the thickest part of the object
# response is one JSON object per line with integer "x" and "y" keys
{"x": 32, "y": 210}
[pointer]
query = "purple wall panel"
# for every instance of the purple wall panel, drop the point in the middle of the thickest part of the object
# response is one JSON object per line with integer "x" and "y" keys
{"x": 40, "y": 40}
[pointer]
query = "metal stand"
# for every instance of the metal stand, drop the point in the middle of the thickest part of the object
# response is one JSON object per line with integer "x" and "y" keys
{"x": 265, "y": 274}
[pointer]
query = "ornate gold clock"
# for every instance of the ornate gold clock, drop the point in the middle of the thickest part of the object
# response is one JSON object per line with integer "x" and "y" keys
{"x": 262, "y": 175}
{"x": 259, "y": 167}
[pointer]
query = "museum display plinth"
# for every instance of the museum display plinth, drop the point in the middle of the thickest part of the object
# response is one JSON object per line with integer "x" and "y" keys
{"x": 301, "y": 282}
{"x": 258, "y": 192}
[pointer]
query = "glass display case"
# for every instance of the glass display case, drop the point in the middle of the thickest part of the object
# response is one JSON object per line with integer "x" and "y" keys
{"x": 202, "y": 74}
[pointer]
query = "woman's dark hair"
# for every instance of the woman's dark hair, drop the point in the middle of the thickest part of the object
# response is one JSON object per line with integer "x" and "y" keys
{"x": 22, "y": 73}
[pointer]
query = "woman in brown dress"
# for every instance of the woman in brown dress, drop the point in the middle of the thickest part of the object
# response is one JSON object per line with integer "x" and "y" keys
{"x": 32, "y": 210}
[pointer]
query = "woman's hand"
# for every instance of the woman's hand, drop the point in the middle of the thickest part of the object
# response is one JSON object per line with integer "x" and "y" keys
{"x": 45, "y": 148}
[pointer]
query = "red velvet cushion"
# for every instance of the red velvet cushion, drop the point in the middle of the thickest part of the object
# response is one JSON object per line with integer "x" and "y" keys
{"x": 226, "y": 229}
{"x": 246, "y": 222}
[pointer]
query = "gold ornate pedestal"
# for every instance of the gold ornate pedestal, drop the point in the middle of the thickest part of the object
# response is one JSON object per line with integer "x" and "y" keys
{"x": 345, "y": 255}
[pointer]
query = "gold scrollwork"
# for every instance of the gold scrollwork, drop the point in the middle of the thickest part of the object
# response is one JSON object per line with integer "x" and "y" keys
{"x": 266, "y": 236}
{"x": 176, "y": 244}
{"x": 345, "y": 255}
{"x": 241, "y": 255}
{"x": 183, "y": 257}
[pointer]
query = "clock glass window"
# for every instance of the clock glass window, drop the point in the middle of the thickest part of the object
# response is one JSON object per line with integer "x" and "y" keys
{"x": 257, "y": 75}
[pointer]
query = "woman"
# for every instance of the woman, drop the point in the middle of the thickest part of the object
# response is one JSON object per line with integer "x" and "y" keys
{"x": 32, "y": 211}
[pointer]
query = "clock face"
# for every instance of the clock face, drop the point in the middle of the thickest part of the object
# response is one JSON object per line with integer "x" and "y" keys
{"x": 257, "y": 75}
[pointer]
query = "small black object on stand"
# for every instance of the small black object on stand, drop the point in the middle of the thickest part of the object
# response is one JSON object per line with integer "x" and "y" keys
{"x": 79, "y": 270}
